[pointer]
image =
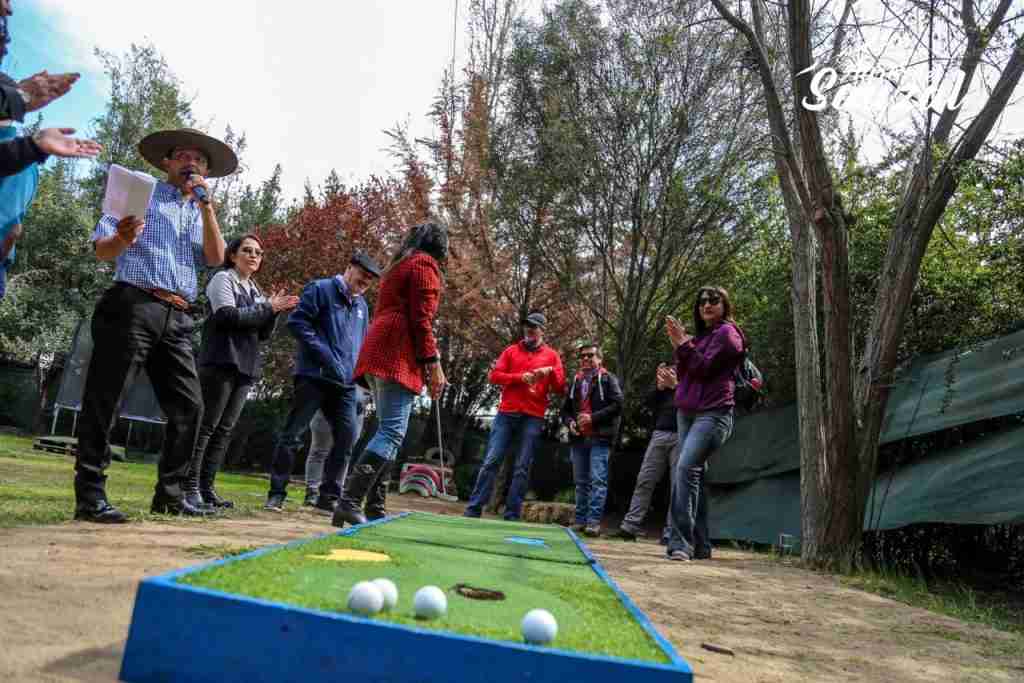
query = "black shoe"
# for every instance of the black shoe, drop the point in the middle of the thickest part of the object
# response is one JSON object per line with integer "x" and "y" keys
{"x": 181, "y": 508}
{"x": 325, "y": 507}
{"x": 311, "y": 498}
{"x": 663, "y": 540}
{"x": 214, "y": 501}
{"x": 624, "y": 535}
{"x": 195, "y": 500}
{"x": 100, "y": 512}
{"x": 275, "y": 502}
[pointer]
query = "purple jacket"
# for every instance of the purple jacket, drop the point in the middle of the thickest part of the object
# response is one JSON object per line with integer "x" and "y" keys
{"x": 704, "y": 366}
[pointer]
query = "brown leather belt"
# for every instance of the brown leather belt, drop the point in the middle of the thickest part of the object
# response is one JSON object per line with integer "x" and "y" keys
{"x": 169, "y": 297}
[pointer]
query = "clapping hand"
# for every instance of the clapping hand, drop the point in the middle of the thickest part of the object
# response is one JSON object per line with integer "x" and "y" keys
{"x": 44, "y": 87}
{"x": 676, "y": 332}
{"x": 58, "y": 141}
{"x": 280, "y": 301}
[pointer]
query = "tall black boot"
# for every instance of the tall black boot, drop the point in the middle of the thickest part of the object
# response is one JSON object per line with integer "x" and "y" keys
{"x": 191, "y": 484}
{"x": 360, "y": 478}
{"x": 211, "y": 465}
{"x": 378, "y": 494}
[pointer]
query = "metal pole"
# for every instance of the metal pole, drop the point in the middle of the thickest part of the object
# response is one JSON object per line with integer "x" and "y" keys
{"x": 53, "y": 425}
{"x": 440, "y": 442}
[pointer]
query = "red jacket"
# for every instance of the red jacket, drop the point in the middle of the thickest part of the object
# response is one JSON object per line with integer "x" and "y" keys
{"x": 516, "y": 395}
{"x": 401, "y": 334}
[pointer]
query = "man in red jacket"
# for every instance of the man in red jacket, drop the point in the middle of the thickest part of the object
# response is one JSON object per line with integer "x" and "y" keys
{"x": 527, "y": 372}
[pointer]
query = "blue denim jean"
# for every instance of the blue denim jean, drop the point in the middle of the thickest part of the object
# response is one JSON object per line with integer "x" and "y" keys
{"x": 339, "y": 407}
{"x": 700, "y": 436}
{"x": 320, "y": 447}
{"x": 394, "y": 406}
{"x": 504, "y": 429}
{"x": 590, "y": 473}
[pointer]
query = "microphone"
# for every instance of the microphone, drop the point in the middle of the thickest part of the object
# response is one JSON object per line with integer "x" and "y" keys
{"x": 198, "y": 191}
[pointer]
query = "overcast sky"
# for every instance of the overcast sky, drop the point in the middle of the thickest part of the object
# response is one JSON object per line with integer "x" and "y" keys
{"x": 312, "y": 83}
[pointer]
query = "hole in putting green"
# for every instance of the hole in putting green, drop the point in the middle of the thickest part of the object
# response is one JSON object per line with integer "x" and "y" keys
{"x": 523, "y": 540}
{"x": 475, "y": 593}
{"x": 351, "y": 555}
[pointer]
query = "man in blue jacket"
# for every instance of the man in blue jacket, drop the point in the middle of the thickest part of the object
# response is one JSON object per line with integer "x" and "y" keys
{"x": 329, "y": 323}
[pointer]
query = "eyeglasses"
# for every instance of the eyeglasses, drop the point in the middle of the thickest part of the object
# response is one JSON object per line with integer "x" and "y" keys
{"x": 712, "y": 299}
{"x": 252, "y": 251}
{"x": 588, "y": 354}
{"x": 186, "y": 155}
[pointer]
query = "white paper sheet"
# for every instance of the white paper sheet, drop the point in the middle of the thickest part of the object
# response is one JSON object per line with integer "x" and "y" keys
{"x": 128, "y": 192}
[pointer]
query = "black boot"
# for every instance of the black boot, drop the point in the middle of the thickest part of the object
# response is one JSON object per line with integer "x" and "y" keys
{"x": 191, "y": 484}
{"x": 378, "y": 494}
{"x": 168, "y": 506}
{"x": 206, "y": 490}
{"x": 359, "y": 480}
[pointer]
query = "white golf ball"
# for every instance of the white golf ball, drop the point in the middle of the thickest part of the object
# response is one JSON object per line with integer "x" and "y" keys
{"x": 539, "y": 627}
{"x": 430, "y": 602}
{"x": 389, "y": 591}
{"x": 365, "y": 598}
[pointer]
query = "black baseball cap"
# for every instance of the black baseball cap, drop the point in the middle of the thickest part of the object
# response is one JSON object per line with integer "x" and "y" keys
{"x": 363, "y": 260}
{"x": 535, "y": 319}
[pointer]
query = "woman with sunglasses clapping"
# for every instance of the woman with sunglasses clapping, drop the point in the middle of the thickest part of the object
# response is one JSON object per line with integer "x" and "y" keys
{"x": 229, "y": 359}
{"x": 704, "y": 398}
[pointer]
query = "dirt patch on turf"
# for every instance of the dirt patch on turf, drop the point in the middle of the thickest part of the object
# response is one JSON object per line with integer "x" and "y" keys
{"x": 69, "y": 588}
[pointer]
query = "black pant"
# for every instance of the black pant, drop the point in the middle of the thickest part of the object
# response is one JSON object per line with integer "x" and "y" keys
{"x": 338, "y": 403}
{"x": 132, "y": 330}
{"x": 224, "y": 393}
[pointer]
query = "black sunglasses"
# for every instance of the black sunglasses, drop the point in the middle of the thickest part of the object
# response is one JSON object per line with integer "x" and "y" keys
{"x": 712, "y": 299}
{"x": 587, "y": 354}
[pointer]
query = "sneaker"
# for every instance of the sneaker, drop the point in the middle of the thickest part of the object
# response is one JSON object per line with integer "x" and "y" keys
{"x": 310, "y": 499}
{"x": 593, "y": 531}
{"x": 624, "y": 535}
{"x": 275, "y": 503}
{"x": 678, "y": 556}
{"x": 100, "y": 512}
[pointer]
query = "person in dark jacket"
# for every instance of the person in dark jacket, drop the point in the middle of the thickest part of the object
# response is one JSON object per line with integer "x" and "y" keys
{"x": 229, "y": 359}
{"x": 591, "y": 412}
{"x": 705, "y": 364}
{"x": 330, "y": 324}
{"x": 662, "y": 453}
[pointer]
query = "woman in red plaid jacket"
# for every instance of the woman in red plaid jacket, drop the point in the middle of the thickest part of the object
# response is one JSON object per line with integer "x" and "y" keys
{"x": 398, "y": 356}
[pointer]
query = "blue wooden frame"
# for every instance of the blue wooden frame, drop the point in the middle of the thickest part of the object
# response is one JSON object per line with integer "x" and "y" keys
{"x": 187, "y": 633}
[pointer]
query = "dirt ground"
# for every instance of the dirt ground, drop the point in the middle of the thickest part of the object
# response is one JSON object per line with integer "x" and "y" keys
{"x": 68, "y": 592}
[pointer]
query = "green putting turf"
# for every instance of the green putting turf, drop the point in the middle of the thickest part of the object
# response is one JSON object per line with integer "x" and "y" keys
{"x": 445, "y": 551}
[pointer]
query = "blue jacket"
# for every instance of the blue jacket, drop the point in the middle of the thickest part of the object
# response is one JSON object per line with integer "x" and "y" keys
{"x": 330, "y": 326}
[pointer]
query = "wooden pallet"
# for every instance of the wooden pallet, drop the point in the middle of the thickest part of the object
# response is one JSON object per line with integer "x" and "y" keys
{"x": 58, "y": 445}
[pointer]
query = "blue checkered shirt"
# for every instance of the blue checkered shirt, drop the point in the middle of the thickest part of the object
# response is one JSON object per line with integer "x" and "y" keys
{"x": 169, "y": 252}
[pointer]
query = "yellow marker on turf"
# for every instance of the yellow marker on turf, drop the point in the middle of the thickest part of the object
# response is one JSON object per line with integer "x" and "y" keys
{"x": 349, "y": 555}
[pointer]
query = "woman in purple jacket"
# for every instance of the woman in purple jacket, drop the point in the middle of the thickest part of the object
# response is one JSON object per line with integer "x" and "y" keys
{"x": 704, "y": 399}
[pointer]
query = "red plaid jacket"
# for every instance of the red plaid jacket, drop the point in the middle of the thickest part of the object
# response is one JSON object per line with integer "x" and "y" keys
{"x": 401, "y": 334}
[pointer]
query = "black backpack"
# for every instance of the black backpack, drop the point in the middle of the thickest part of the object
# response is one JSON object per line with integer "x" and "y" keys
{"x": 749, "y": 381}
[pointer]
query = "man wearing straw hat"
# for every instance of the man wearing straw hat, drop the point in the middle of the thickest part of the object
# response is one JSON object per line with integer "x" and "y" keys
{"x": 144, "y": 320}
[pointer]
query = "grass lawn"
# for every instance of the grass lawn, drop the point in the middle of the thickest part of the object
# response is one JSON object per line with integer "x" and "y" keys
{"x": 36, "y": 487}
{"x": 443, "y": 551}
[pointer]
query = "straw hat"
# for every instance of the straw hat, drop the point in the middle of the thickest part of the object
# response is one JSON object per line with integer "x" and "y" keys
{"x": 155, "y": 147}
